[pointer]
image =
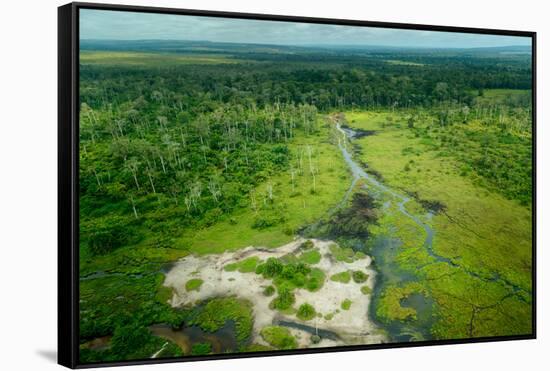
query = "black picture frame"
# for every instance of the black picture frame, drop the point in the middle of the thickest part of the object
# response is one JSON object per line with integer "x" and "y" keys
{"x": 68, "y": 187}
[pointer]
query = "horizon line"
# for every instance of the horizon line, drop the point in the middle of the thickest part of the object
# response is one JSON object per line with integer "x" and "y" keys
{"x": 316, "y": 45}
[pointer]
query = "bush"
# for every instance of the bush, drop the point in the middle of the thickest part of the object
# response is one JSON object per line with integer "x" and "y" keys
{"x": 308, "y": 244}
{"x": 133, "y": 340}
{"x": 271, "y": 268}
{"x": 366, "y": 290}
{"x": 269, "y": 290}
{"x": 359, "y": 277}
{"x": 342, "y": 254}
{"x": 289, "y": 231}
{"x": 212, "y": 216}
{"x": 129, "y": 336}
{"x": 284, "y": 300}
{"x": 268, "y": 219}
{"x": 342, "y": 277}
{"x": 200, "y": 349}
{"x": 315, "y": 280}
{"x": 346, "y": 304}
{"x": 279, "y": 337}
{"x": 315, "y": 339}
{"x": 107, "y": 234}
{"x": 306, "y": 312}
{"x": 310, "y": 257}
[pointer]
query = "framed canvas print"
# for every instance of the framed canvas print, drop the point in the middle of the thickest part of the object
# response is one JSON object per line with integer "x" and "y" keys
{"x": 237, "y": 185}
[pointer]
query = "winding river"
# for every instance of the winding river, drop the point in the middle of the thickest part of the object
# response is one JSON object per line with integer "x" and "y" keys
{"x": 385, "y": 248}
{"x": 359, "y": 173}
{"x": 402, "y": 200}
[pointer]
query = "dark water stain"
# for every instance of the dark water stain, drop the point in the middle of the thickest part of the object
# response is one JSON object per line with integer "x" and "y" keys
{"x": 356, "y": 133}
{"x": 323, "y": 334}
{"x": 222, "y": 341}
{"x": 167, "y": 267}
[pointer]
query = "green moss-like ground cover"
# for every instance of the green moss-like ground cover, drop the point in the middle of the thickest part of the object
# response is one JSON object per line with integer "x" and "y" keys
{"x": 193, "y": 284}
{"x": 346, "y": 304}
{"x": 342, "y": 277}
{"x": 478, "y": 228}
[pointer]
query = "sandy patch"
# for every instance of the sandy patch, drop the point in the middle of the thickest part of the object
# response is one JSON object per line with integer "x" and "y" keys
{"x": 352, "y": 326}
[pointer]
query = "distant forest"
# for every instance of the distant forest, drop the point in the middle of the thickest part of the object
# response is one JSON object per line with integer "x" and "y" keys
{"x": 321, "y": 77}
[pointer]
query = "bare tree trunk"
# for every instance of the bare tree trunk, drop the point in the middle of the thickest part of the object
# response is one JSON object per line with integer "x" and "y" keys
{"x": 270, "y": 191}
{"x": 162, "y": 162}
{"x": 97, "y": 178}
{"x": 188, "y": 203}
{"x": 135, "y": 179}
{"x": 151, "y": 180}
{"x": 134, "y": 207}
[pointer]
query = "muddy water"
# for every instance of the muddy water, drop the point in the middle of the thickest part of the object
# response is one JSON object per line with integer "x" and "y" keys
{"x": 222, "y": 340}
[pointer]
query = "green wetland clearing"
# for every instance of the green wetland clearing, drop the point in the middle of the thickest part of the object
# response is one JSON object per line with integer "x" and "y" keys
{"x": 240, "y": 198}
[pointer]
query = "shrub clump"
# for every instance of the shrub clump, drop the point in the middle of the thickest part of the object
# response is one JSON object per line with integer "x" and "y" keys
{"x": 269, "y": 219}
{"x": 284, "y": 300}
{"x": 279, "y": 337}
{"x": 308, "y": 244}
{"x": 346, "y": 304}
{"x": 306, "y": 312}
{"x": 366, "y": 290}
{"x": 342, "y": 277}
{"x": 217, "y": 312}
{"x": 107, "y": 234}
{"x": 269, "y": 290}
{"x": 311, "y": 257}
{"x": 342, "y": 254}
{"x": 291, "y": 275}
{"x": 244, "y": 266}
{"x": 359, "y": 277}
{"x": 200, "y": 349}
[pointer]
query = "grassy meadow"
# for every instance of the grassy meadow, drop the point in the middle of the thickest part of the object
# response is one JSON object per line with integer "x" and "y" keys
{"x": 131, "y": 58}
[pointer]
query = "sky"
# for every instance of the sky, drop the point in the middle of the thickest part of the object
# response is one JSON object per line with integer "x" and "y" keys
{"x": 120, "y": 25}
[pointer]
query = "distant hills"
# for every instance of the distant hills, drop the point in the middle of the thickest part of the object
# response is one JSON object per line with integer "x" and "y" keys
{"x": 190, "y": 46}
